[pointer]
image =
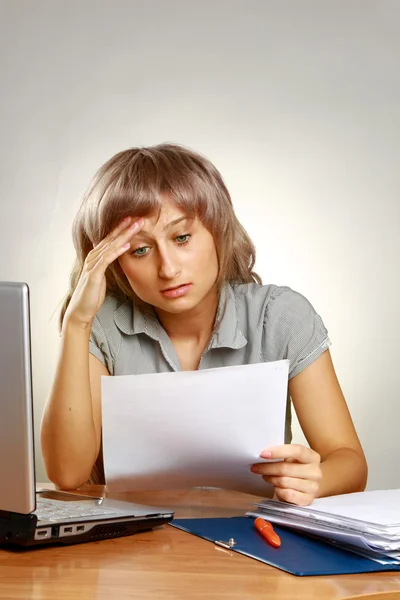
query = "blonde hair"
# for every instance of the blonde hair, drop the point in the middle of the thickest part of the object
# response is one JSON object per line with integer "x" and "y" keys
{"x": 132, "y": 183}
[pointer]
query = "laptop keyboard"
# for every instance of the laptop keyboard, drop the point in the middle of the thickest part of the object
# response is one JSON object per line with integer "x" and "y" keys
{"x": 58, "y": 510}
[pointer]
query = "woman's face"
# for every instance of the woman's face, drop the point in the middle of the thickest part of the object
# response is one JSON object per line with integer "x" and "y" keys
{"x": 172, "y": 263}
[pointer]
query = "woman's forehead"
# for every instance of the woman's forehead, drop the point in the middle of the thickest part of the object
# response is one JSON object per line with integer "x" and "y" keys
{"x": 165, "y": 222}
{"x": 167, "y": 213}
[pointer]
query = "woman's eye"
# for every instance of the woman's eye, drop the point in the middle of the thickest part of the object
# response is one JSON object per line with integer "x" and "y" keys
{"x": 183, "y": 239}
{"x": 140, "y": 251}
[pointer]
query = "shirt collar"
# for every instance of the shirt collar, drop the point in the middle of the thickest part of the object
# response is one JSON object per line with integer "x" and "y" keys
{"x": 136, "y": 317}
{"x": 227, "y": 333}
{"x": 133, "y": 318}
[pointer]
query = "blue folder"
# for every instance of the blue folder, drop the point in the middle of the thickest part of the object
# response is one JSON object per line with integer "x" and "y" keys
{"x": 298, "y": 554}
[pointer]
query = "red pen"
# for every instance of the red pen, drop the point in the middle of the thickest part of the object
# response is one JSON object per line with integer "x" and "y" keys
{"x": 267, "y": 531}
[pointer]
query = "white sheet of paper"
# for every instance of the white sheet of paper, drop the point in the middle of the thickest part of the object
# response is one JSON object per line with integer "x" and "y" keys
{"x": 192, "y": 428}
{"x": 375, "y": 512}
{"x": 377, "y": 545}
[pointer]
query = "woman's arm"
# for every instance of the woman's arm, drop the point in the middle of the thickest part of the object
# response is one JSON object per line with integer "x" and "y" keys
{"x": 327, "y": 425}
{"x": 335, "y": 462}
{"x": 71, "y": 424}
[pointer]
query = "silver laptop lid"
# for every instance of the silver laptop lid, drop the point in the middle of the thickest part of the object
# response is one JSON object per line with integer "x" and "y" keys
{"x": 17, "y": 465}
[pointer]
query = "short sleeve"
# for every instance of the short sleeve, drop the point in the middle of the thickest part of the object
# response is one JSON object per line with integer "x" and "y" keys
{"x": 296, "y": 329}
{"x": 99, "y": 346}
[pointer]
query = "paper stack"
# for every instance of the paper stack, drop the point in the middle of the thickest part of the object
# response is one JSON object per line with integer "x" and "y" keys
{"x": 367, "y": 523}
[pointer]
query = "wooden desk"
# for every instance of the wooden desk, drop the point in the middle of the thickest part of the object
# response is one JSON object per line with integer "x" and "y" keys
{"x": 169, "y": 564}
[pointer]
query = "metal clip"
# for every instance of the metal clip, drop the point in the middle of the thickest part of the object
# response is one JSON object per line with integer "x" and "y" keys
{"x": 229, "y": 545}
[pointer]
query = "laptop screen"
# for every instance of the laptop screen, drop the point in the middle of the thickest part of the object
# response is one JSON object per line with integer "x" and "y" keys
{"x": 17, "y": 465}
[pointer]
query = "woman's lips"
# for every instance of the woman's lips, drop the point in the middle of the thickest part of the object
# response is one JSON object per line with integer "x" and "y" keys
{"x": 176, "y": 292}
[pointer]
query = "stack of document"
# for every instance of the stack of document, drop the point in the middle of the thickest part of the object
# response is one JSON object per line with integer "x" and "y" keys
{"x": 367, "y": 523}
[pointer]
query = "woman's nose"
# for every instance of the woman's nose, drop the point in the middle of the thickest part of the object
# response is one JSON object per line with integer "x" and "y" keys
{"x": 169, "y": 269}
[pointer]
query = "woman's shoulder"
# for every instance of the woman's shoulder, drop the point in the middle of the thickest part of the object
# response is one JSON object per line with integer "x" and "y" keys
{"x": 270, "y": 297}
{"x": 105, "y": 335}
{"x": 284, "y": 320}
{"x": 111, "y": 307}
{"x": 112, "y": 318}
{"x": 273, "y": 304}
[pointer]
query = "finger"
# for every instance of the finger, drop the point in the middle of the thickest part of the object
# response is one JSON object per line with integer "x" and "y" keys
{"x": 106, "y": 258}
{"x": 294, "y": 451}
{"x": 124, "y": 230}
{"x": 115, "y": 232}
{"x": 118, "y": 229}
{"x": 132, "y": 230}
{"x": 306, "y": 486}
{"x": 294, "y": 497}
{"x": 110, "y": 244}
{"x": 288, "y": 469}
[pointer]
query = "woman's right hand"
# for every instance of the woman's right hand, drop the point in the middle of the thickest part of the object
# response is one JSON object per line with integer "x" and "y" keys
{"x": 90, "y": 292}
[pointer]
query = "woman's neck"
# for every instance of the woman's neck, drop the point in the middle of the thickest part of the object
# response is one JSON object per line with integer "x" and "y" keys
{"x": 196, "y": 324}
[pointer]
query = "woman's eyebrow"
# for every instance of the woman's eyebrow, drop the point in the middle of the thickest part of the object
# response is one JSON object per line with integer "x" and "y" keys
{"x": 145, "y": 235}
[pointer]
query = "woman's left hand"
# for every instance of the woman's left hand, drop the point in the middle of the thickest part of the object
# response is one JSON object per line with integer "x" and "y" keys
{"x": 297, "y": 478}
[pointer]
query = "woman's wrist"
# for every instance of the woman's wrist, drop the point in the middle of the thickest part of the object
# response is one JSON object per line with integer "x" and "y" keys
{"x": 343, "y": 471}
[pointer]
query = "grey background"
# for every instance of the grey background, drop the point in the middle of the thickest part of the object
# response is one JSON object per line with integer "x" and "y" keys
{"x": 297, "y": 102}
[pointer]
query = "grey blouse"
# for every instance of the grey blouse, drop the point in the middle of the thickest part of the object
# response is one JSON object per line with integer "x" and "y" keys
{"x": 255, "y": 323}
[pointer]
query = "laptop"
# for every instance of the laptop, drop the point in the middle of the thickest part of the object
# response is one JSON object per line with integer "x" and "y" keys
{"x": 36, "y": 518}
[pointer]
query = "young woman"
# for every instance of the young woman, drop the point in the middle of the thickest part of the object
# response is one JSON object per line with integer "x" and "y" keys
{"x": 164, "y": 281}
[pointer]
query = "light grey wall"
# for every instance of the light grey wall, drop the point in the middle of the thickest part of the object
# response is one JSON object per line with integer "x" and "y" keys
{"x": 298, "y": 104}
